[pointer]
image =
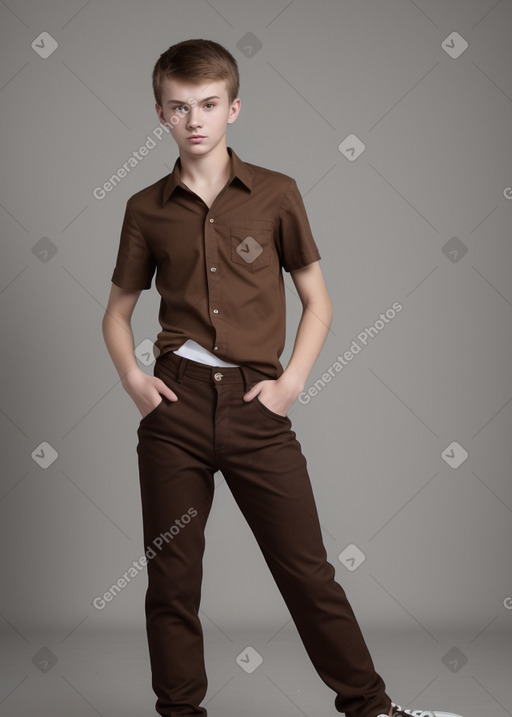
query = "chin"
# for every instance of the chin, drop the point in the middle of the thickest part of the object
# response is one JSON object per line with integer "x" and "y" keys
{"x": 196, "y": 148}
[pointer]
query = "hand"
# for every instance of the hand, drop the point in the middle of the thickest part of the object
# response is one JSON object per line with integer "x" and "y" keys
{"x": 146, "y": 391}
{"x": 277, "y": 395}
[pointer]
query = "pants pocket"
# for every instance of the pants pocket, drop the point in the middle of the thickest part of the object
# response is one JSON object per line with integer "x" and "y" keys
{"x": 268, "y": 412}
{"x": 155, "y": 410}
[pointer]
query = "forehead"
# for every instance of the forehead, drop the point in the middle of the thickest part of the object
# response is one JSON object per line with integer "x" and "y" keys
{"x": 185, "y": 91}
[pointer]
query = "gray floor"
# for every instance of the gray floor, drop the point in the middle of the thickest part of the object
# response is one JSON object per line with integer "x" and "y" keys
{"x": 107, "y": 674}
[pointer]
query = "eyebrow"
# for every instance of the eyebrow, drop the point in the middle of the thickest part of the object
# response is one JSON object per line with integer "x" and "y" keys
{"x": 182, "y": 102}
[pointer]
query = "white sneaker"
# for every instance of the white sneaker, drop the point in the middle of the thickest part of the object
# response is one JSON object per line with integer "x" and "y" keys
{"x": 399, "y": 712}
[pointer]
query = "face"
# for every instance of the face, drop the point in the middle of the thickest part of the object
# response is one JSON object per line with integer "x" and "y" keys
{"x": 200, "y": 110}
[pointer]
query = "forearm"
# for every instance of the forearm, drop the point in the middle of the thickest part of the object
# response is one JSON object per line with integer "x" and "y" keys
{"x": 118, "y": 336}
{"x": 145, "y": 390}
{"x": 311, "y": 334}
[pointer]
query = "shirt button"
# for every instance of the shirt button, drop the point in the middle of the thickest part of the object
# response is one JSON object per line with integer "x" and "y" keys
{"x": 215, "y": 311}
{"x": 213, "y": 268}
{"x": 215, "y": 348}
{"x": 212, "y": 220}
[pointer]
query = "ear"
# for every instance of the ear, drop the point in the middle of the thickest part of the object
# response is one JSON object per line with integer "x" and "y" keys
{"x": 160, "y": 113}
{"x": 234, "y": 110}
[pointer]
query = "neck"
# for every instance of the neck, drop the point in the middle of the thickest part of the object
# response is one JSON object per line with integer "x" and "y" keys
{"x": 205, "y": 168}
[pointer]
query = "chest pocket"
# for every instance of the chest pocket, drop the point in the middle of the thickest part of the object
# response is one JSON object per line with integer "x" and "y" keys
{"x": 252, "y": 243}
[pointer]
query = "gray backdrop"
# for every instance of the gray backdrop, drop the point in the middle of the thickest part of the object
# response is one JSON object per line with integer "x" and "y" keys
{"x": 394, "y": 118}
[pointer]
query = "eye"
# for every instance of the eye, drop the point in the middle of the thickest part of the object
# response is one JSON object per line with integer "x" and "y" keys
{"x": 179, "y": 108}
{"x": 210, "y": 104}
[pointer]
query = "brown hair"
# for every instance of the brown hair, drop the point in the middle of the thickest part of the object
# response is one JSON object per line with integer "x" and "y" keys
{"x": 196, "y": 60}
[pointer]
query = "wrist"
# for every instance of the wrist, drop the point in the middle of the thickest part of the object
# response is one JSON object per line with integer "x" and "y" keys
{"x": 293, "y": 382}
{"x": 130, "y": 375}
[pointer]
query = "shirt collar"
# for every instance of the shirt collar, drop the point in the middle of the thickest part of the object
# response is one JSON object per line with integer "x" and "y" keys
{"x": 238, "y": 169}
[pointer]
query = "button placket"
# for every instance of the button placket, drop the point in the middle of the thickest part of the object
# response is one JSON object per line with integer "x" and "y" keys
{"x": 211, "y": 252}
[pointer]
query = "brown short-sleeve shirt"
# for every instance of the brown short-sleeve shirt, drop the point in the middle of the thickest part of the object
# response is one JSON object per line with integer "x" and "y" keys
{"x": 218, "y": 269}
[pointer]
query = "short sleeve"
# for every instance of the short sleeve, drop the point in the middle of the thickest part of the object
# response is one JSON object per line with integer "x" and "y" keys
{"x": 296, "y": 245}
{"x": 135, "y": 264}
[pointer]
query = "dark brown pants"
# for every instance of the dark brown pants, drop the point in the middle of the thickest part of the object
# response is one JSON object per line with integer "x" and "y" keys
{"x": 181, "y": 445}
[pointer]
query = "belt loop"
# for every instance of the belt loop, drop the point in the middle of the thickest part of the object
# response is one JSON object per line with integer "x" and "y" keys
{"x": 245, "y": 378}
{"x": 181, "y": 367}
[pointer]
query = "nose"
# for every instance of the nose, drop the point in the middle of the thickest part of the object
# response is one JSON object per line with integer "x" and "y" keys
{"x": 193, "y": 118}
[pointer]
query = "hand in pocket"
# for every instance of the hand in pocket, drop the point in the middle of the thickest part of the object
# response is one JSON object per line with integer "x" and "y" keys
{"x": 146, "y": 391}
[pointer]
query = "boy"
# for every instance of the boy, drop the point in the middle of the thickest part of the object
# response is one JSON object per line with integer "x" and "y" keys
{"x": 218, "y": 232}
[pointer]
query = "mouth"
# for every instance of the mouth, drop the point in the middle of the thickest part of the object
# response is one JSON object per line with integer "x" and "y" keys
{"x": 196, "y": 136}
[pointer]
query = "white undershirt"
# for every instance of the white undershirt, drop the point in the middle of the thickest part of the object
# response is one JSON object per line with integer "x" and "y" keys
{"x": 195, "y": 352}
